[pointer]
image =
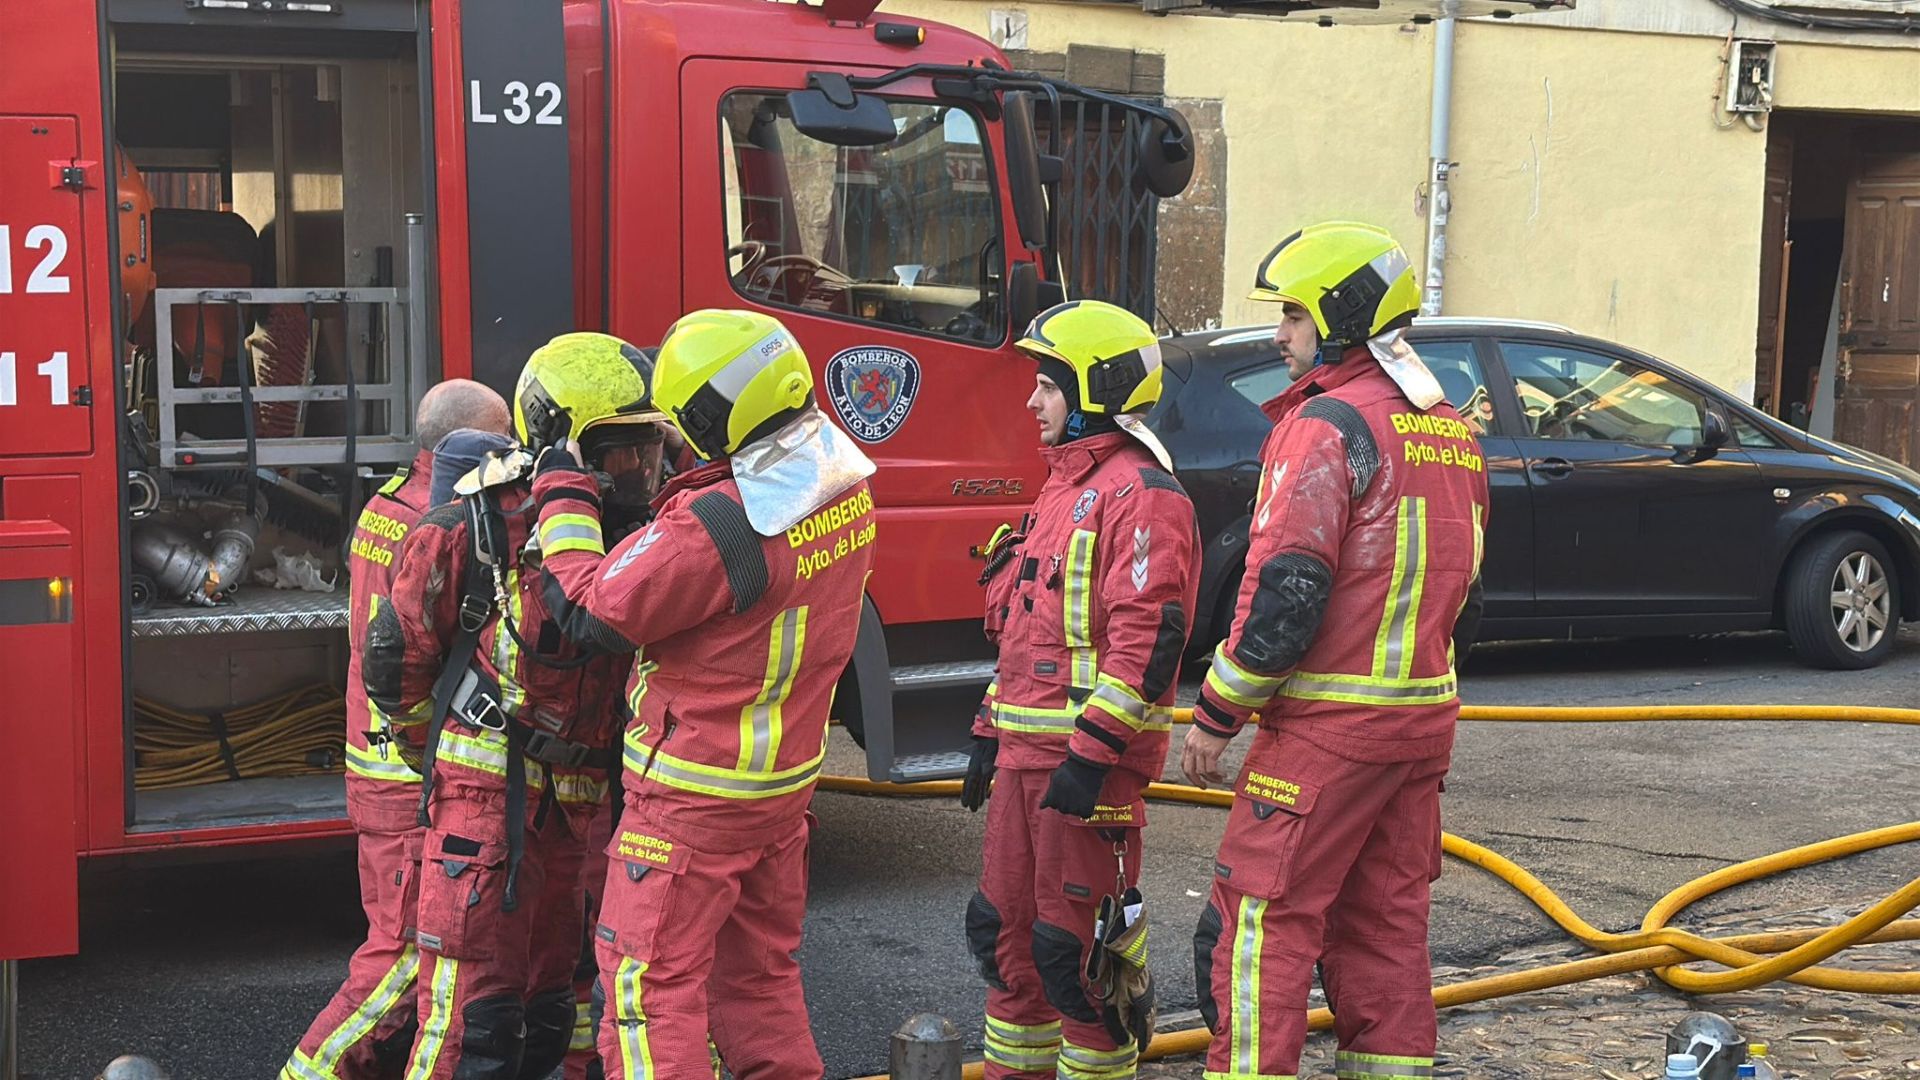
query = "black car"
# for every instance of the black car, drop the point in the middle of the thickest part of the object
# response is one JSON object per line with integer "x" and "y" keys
{"x": 1629, "y": 497}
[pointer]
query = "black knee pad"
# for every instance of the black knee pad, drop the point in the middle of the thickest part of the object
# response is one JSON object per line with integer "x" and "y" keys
{"x": 1205, "y": 937}
{"x": 391, "y": 1053}
{"x": 1059, "y": 955}
{"x": 495, "y": 1037}
{"x": 983, "y": 938}
{"x": 549, "y": 1033}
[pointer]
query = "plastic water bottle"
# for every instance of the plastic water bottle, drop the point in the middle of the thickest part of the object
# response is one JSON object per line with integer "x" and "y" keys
{"x": 1762, "y": 1065}
{"x": 1683, "y": 1067}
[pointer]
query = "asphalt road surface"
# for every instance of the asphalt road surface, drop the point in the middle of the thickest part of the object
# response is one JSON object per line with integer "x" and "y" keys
{"x": 214, "y": 970}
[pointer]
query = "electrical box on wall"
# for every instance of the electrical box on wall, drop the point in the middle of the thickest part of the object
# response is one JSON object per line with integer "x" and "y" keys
{"x": 1750, "y": 77}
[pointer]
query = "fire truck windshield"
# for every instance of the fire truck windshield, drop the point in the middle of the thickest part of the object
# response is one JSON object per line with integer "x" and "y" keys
{"x": 905, "y": 233}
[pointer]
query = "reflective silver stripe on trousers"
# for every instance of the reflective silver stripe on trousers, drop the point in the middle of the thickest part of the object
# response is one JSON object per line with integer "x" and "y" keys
{"x": 1360, "y": 684}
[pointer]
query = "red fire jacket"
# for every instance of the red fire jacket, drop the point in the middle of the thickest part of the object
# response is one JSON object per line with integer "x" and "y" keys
{"x": 380, "y": 786}
{"x": 551, "y": 692}
{"x": 1366, "y": 541}
{"x": 1091, "y": 614}
{"x": 743, "y": 638}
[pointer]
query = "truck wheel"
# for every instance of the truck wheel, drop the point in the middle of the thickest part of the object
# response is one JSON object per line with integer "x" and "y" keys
{"x": 1842, "y": 602}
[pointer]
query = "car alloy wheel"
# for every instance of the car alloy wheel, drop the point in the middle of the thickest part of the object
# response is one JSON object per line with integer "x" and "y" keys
{"x": 1862, "y": 602}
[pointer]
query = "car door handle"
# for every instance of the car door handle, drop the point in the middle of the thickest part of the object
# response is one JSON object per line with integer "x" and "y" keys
{"x": 1552, "y": 468}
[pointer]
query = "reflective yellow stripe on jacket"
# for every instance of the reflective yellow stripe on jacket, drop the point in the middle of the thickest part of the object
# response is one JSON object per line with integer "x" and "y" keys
{"x": 762, "y": 732}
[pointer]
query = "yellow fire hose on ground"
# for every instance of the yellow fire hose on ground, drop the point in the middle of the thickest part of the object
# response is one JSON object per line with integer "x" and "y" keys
{"x": 1749, "y": 960}
{"x": 295, "y": 734}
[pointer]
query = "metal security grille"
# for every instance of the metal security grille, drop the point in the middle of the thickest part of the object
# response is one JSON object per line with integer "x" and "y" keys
{"x": 1106, "y": 225}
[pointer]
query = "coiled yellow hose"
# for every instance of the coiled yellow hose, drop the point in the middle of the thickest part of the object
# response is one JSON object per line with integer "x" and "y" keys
{"x": 296, "y": 734}
{"x": 1746, "y": 960}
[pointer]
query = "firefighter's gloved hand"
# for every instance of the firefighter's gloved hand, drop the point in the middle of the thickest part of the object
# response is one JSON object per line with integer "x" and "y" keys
{"x": 980, "y": 770}
{"x": 559, "y": 456}
{"x": 1075, "y": 787}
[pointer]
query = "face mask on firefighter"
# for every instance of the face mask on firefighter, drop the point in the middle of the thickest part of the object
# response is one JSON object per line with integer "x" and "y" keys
{"x": 625, "y": 459}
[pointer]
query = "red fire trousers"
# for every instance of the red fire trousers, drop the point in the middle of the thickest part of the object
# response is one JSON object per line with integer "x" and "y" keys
{"x": 692, "y": 942}
{"x": 1042, "y": 876}
{"x": 496, "y": 987}
{"x": 1329, "y": 860}
{"x": 365, "y": 1030}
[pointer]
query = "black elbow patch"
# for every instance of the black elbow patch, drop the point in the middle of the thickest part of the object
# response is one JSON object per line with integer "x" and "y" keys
{"x": 1108, "y": 739}
{"x": 1168, "y": 644}
{"x": 577, "y": 624}
{"x": 386, "y": 648}
{"x": 1285, "y": 617}
{"x": 1363, "y": 454}
{"x": 739, "y": 546}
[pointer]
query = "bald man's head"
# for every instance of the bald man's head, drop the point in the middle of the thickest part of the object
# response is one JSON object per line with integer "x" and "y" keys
{"x": 459, "y": 403}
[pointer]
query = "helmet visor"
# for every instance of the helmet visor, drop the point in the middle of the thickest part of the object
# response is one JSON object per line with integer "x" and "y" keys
{"x": 627, "y": 460}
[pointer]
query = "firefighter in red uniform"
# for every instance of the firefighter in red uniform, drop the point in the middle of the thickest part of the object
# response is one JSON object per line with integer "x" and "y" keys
{"x": 1090, "y": 604}
{"x": 519, "y": 745}
{"x": 744, "y": 595}
{"x": 365, "y": 1030}
{"x": 1364, "y": 555}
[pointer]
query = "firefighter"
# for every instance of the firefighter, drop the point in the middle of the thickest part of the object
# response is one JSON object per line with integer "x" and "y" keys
{"x": 521, "y": 725}
{"x": 1090, "y": 602}
{"x": 745, "y": 595}
{"x": 365, "y": 1030}
{"x": 1364, "y": 553}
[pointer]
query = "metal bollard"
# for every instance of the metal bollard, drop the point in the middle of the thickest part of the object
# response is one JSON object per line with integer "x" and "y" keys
{"x": 927, "y": 1047}
{"x": 131, "y": 1067}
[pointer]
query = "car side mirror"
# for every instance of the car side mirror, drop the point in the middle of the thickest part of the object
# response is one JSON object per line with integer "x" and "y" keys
{"x": 1028, "y": 172}
{"x": 1713, "y": 436}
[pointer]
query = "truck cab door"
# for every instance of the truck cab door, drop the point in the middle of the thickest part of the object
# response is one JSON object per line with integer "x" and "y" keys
{"x": 886, "y": 264}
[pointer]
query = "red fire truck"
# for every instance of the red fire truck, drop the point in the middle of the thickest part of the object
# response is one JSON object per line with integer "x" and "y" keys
{"x": 239, "y": 238}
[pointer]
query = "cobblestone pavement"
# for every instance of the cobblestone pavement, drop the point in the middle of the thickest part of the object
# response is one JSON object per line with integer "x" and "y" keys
{"x": 1615, "y": 1028}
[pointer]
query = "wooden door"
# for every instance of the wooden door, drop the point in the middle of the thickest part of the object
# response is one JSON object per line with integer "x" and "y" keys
{"x": 1773, "y": 273}
{"x": 1880, "y": 308}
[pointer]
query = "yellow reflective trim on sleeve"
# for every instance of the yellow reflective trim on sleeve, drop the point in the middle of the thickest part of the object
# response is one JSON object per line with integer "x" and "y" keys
{"x": 572, "y": 532}
{"x": 1238, "y": 685}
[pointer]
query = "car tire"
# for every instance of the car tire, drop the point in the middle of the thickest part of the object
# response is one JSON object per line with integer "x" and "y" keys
{"x": 1837, "y": 585}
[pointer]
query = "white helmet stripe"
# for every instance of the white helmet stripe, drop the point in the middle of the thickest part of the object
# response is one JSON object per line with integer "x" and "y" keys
{"x": 732, "y": 379}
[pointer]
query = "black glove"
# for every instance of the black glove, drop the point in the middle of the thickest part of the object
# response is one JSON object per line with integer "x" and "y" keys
{"x": 1075, "y": 787}
{"x": 980, "y": 770}
{"x": 557, "y": 457}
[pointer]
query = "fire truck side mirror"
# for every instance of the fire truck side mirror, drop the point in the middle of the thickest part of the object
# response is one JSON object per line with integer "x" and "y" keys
{"x": 1028, "y": 296}
{"x": 1027, "y": 172}
{"x": 833, "y": 113}
{"x": 1164, "y": 155}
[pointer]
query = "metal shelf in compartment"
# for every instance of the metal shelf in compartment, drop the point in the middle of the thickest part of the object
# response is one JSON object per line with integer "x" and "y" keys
{"x": 255, "y": 609}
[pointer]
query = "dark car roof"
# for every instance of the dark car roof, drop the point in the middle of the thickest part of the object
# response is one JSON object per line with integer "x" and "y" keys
{"x": 1235, "y": 344}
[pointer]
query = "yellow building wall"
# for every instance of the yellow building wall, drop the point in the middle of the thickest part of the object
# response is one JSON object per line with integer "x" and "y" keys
{"x": 1596, "y": 184}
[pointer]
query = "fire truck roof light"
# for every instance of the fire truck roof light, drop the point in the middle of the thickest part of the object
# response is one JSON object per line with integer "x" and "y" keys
{"x": 220, "y": 5}
{"x": 312, "y": 8}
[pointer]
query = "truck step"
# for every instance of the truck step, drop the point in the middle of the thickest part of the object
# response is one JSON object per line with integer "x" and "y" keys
{"x": 940, "y": 676}
{"x": 913, "y": 768}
